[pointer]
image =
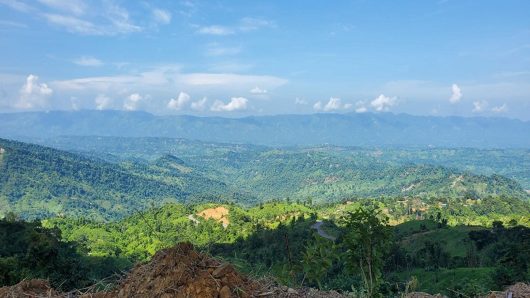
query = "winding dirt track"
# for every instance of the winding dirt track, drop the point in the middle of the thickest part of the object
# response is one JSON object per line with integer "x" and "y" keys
{"x": 318, "y": 226}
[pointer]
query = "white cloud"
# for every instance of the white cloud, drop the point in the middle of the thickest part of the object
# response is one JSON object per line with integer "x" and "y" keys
{"x": 361, "y": 110}
{"x": 300, "y": 101}
{"x": 334, "y": 104}
{"x": 258, "y": 90}
{"x": 33, "y": 94}
{"x": 360, "y": 107}
{"x": 500, "y": 109}
{"x": 199, "y": 105}
{"x": 162, "y": 16}
{"x": 76, "y": 7}
{"x": 383, "y": 103}
{"x": 456, "y": 94}
{"x": 215, "y": 30}
{"x": 179, "y": 102}
{"x": 12, "y": 24}
{"x": 250, "y": 24}
{"x": 245, "y": 25}
{"x": 131, "y": 102}
{"x": 167, "y": 78}
{"x": 235, "y": 104}
{"x": 73, "y": 24}
{"x": 102, "y": 101}
{"x": 479, "y": 106}
{"x": 205, "y": 79}
{"x": 17, "y": 5}
{"x": 88, "y": 61}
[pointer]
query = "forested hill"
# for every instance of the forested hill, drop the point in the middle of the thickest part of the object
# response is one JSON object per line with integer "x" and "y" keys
{"x": 368, "y": 129}
{"x": 37, "y": 181}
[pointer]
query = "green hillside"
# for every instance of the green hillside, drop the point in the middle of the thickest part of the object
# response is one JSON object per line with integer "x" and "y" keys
{"x": 38, "y": 182}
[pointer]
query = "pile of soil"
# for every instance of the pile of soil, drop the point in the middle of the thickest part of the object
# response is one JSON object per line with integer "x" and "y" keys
{"x": 35, "y": 288}
{"x": 179, "y": 271}
{"x": 219, "y": 214}
{"x": 519, "y": 290}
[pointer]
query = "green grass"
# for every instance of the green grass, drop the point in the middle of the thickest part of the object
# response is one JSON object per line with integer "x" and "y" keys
{"x": 455, "y": 240}
{"x": 464, "y": 280}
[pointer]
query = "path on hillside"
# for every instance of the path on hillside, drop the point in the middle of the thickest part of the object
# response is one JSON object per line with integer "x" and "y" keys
{"x": 318, "y": 226}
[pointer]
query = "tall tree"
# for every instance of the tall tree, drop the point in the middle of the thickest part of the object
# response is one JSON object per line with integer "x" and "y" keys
{"x": 367, "y": 241}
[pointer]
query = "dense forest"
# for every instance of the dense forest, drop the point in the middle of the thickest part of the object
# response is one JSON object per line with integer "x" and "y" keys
{"x": 37, "y": 181}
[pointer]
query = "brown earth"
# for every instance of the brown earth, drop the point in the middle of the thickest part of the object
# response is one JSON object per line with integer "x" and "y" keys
{"x": 219, "y": 214}
{"x": 29, "y": 289}
{"x": 177, "y": 272}
{"x": 519, "y": 290}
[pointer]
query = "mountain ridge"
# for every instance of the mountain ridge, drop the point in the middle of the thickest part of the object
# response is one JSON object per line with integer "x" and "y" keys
{"x": 366, "y": 129}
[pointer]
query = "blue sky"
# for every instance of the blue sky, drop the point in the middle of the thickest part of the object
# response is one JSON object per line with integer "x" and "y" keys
{"x": 235, "y": 58}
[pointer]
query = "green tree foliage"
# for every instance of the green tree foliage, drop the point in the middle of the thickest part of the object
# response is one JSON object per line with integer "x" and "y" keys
{"x": 318, "y": 258}
{"x": 367, "y": 241}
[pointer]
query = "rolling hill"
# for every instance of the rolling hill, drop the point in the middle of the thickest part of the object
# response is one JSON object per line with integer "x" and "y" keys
{"x": 37, "y": 181}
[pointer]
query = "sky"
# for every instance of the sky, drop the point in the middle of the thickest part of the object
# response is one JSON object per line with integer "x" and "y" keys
{"x": 238, "y": 58}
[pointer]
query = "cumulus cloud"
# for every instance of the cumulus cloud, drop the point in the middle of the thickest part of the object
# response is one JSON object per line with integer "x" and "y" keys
{"x": 334, "y": 104}
{"x": 300, "y": 101}
{"x": 199, "y": 105}
{"x": 479, "y": 106}
{"x": 383, "y": 103}
{"x": 88, "y": 61}
{"x": 131, "y": 103}
{"x": 456, "y": 94}
{"x": 500, "y": 109}
{"x": 179, "y": 102}
{"x": 162, "y": 16}
{"x": 235, "y": 104}
{"x": 33, "y": 94}
{"x": 258, "y": 90}
{"x": 360, "y": 107}
{"x": 102, "y": 102}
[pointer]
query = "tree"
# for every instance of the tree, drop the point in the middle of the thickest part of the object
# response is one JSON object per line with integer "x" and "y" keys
{"x": 367, "y": 241}
{"x": 317, "y": 259}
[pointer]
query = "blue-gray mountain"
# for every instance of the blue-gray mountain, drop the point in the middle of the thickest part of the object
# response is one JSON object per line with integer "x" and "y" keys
{"x": 383, "y": 129}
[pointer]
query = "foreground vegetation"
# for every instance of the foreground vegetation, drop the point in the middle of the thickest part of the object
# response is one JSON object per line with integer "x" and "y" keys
{"x": 423, "y": 252}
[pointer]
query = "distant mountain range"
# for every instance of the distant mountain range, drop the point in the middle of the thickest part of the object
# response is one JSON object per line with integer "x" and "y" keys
{"x": 368, "y": 129}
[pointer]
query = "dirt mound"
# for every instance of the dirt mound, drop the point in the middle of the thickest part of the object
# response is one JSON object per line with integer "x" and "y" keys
{"x": 519, "y": 290}
{"x": 183, "y": 272}
{"x": 178, "y": 272}
{"x": 35, "y": 288}
{"x": 219, "y": 214}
